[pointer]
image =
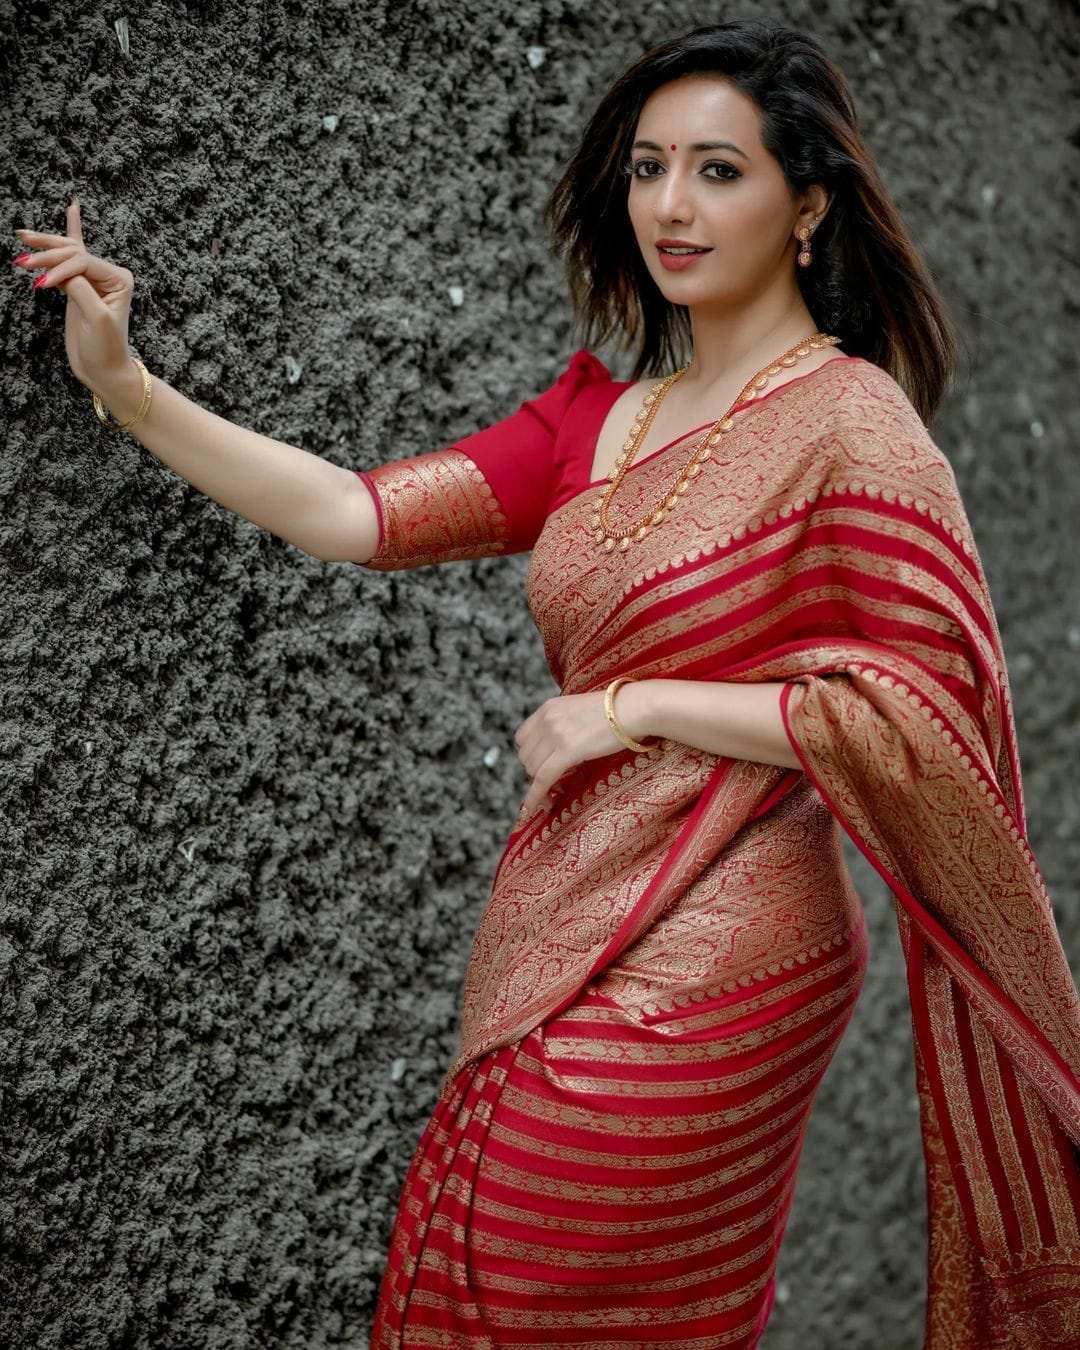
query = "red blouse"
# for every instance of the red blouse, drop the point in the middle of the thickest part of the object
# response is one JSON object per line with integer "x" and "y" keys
{"x": 491, "y": 492}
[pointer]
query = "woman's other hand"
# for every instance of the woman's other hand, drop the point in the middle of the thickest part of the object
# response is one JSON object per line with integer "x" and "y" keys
{"x": 98, "y": 295}
{"x": 737, "y": 721}
{"x": 569, "y": 729}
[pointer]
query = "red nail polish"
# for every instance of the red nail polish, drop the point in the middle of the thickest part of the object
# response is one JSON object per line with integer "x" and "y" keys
{"x": 38, "y": 281}
{"x": 21, "y": 258}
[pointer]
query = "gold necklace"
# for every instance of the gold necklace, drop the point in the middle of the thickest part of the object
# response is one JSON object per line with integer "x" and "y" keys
{"x": 609, "y": 537}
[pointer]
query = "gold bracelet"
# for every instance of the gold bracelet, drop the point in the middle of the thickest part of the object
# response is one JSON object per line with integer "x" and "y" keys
{"x": 114, "y": 425}
{"x": 609, "y": 709}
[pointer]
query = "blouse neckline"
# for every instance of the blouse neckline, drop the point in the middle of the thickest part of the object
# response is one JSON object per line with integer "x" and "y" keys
{"x": 620, "y": 386}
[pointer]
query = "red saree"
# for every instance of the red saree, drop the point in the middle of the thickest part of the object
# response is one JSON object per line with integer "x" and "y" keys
{"x": 669, "y": 957}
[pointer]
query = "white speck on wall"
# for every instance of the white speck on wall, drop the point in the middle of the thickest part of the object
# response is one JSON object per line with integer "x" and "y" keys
{"x": 397, "y": 1069}
{"x": 536, "y": 56}
{"x": 457, "y": 295}
{"x": 330, "y": 122}
{"x": 491, "y": 756}
{"x": 1038, "y": 430}
{"x": 293, "y": 369}
{"x": 989, "y": 194}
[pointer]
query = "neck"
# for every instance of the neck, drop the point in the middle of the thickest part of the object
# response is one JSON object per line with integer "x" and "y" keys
{"x": 735, "y": 341}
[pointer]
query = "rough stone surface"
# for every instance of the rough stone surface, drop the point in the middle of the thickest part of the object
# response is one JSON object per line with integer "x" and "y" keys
{"x": 251, "y": 802}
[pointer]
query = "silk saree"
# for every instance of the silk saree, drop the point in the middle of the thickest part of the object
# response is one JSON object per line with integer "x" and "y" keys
{"x": 670, "y": 954}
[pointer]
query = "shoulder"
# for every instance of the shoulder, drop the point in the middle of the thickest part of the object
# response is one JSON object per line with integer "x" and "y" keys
{"x": 583, "y": 371}
{"x": 588, "y": 366}
{"x": 856, "y": 392}
{"x": 868, "y": 428}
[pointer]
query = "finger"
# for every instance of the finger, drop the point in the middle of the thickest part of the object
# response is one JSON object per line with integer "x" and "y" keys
{"x": 532, "y": 729}
{"x": 110, "y": 277}
{"x": 526, "y": 726}
{"x": 49, "y": 258}
{"x": 74, "y": 220}
{"x": 526, "y": 753}
{"x": 56, "y": 276}
{"x": 536, "y": 801}
{"x": 522, "y": 817}
{"x": 550, "y": 772}
{"x": 38, "y": 240}
{"x": 533, "y": 802}
{"x": 80, "y": 290}
{"x": 533, "y": 754}
{"x": 525, "y": 738}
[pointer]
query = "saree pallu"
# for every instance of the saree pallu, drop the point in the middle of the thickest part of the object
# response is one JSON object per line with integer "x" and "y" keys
{"x": 670, "y": 955}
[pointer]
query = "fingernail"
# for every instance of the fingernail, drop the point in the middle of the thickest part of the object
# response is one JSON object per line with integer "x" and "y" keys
{"x": 21, "y": 258}
{"x": 39, "y": 281}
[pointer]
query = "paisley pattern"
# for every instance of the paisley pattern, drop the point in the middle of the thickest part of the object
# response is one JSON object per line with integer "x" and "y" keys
{"x": 434, "y": 508}
{"x": 669, "y": 956}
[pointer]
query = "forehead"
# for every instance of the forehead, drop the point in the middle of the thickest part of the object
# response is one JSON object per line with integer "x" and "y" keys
{"x": 700, "y": 107}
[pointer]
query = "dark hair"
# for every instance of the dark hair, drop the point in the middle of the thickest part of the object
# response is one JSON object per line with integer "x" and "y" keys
{"x": 867, "y": 282}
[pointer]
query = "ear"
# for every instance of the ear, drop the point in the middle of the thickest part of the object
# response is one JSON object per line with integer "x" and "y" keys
{"x": 813, "y": 204}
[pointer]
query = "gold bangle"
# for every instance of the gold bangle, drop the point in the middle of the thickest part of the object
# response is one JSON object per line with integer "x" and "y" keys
{"x": 114, "y": 425}
{"x": 609, "y": 709}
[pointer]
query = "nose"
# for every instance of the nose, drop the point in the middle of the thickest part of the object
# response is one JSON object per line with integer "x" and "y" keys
{"x": 672, "y": 203}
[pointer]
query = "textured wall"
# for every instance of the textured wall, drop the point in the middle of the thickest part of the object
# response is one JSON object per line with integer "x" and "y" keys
{"x": 251, "y": 802}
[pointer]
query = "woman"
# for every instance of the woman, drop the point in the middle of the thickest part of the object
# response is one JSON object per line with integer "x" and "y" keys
{"x": 768, "y": 620}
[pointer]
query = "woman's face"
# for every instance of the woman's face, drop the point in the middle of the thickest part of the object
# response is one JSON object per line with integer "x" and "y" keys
{"x": 701, "y": 176}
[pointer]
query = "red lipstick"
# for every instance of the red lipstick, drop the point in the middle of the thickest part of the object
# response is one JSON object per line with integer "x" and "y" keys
{"x": 673, "y": 256}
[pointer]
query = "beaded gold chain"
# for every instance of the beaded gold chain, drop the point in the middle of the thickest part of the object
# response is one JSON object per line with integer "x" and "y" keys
{"x": 609, "y": 537}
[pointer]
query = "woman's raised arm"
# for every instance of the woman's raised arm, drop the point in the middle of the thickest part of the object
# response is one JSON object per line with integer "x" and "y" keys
{"x": 302, "y": 498}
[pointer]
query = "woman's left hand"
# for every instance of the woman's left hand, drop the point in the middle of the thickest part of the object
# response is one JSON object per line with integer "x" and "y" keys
{"x": 567, "y": 730}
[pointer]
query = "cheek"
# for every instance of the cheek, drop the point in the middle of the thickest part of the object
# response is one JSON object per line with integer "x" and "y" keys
{"x": 643, "y": 226}
{"x": 750, "y": 232}
{"x": 635, "y": 210}
{"x": 762, "y": 216}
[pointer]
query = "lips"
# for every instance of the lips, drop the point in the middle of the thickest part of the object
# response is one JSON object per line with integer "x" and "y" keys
{"x": 678, "y": 254}
{"x": 680, "y": 248}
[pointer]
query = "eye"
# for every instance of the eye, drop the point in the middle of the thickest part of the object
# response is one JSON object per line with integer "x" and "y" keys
{"x": 638, "y": 164}
{"x": 731, "y": 173}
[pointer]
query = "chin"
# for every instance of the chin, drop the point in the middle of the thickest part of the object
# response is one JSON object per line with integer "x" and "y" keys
{"x": 684, "y": 291}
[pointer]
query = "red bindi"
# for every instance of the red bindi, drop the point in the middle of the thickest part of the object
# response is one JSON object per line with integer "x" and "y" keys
{"x": 674, "y": 147}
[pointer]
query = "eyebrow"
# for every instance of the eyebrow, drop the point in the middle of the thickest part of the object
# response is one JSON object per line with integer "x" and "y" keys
{"x": 698, "y": 145}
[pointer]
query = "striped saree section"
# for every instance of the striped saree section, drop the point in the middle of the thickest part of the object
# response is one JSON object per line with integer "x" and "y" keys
{"x": 630, "y": 1178}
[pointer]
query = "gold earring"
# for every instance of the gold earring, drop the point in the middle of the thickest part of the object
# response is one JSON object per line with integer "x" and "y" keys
{"x": 804, "y": 256}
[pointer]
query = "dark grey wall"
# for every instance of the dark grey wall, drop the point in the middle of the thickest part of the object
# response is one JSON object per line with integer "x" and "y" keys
{"x": 249, "y": 820}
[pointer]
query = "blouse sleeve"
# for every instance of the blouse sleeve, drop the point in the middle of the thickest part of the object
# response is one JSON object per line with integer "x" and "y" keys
{"x": 485, "y": 495}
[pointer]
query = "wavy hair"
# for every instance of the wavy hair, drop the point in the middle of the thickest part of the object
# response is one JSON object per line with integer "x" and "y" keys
{"x": 867, "y": 282}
